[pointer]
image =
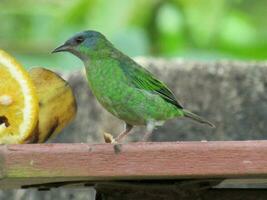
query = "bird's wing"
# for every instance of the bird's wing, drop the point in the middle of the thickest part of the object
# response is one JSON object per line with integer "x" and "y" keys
{"x": 140, "y": 78}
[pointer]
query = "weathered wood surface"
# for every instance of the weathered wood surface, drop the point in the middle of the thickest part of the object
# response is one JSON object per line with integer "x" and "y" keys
{"x": 30, "y": 164}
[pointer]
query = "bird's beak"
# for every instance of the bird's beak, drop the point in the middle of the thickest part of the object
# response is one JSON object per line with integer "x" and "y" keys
{"x": 64, "y": 47}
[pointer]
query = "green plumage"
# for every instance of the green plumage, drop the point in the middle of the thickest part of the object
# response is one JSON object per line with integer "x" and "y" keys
{"x": 122, "y": 86}
{"x": 129, "y": 92}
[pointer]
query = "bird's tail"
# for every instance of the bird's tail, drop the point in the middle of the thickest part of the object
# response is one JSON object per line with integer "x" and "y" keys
{"x": 197, "y": 118}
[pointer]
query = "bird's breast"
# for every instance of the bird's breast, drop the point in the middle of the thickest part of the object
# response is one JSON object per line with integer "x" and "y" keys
{"x": 108, "y": 85}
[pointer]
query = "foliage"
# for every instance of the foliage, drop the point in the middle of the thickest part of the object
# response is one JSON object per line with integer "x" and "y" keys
{"x": 198, "y": 29}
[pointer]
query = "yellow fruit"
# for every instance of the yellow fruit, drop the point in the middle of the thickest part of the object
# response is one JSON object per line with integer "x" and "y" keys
{"x": 108, "y": 138}
{"x": 18, "y": 102}
{"x": 57, "y": 105}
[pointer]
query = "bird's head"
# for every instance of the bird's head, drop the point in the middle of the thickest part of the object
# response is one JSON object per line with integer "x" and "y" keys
{"x": 84, "y": 44}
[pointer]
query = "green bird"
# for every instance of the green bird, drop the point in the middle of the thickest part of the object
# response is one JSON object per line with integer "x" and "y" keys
{"x": 123, "y": 87}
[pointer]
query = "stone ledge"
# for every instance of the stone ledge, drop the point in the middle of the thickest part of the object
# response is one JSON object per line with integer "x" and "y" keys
{"x": 232, "y": 94}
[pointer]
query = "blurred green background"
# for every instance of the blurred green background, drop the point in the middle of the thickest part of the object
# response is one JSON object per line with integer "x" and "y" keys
{"x": 191, "y": 29}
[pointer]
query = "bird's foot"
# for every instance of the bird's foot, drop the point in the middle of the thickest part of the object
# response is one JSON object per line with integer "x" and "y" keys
{"x": 109, "y": 138}
{"x": 146, "y": 137}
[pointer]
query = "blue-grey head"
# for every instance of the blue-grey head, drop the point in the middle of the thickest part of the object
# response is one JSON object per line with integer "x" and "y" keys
{"x": 85, "y": 44}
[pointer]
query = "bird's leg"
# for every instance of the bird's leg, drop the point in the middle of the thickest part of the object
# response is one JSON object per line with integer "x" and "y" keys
{"x": 127, "y": 130}
{"x": 149, "y": 130}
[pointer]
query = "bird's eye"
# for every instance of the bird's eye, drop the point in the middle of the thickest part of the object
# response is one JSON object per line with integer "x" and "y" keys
{"x": 79, "y": 40}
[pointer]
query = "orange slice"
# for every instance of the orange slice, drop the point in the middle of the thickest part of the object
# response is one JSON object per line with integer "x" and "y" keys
{"x": 18, "y": 102}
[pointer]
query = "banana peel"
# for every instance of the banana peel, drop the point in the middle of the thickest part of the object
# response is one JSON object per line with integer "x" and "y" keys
{"x": 57, "y": 104}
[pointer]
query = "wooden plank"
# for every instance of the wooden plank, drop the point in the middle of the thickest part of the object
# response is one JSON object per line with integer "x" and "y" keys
{"x": 43, "y": 163}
